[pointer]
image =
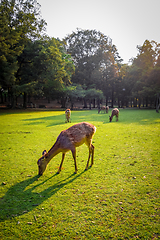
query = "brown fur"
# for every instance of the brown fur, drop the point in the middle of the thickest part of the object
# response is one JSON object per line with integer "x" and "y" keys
{"x": 104, "y": 109}
{"x": 107, "y": 109}
{"x": 115, "y": 112}
{"x": 68, "y": 115}
{"x": 68, "y": 140}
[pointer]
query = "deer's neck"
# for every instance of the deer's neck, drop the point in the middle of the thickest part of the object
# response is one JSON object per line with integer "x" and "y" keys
{"x": 53, "y": 152}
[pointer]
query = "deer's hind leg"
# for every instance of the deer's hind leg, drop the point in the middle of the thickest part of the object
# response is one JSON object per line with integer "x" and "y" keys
{"x": 92, "y": 148}
{"x": 91, "y": 152}
{"x": 117, "y": 117}
{"x": 74, "y": 157}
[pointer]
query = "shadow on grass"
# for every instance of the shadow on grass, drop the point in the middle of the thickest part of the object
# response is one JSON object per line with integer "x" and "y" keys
{"x": 136, "y": 116}
{"x": 126, "y": 116}
{"x": 49, "y": 120}
{"x": 21, "y": 198}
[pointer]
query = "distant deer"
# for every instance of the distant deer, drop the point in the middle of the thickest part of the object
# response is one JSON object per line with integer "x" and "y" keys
{"x": 103, "y": 109}
{"x": 68, "y": 115}
{"x": 67, "y": 140}
{"x": 107, "y": 109}
{"x": 115, "y": 112}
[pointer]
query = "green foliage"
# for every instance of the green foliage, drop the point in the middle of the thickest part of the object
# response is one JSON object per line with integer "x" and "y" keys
{"x": 145, "y": 70}
{"x": 34, "y": 64}
{"x": 20, "y": 23}
{"x": 97, "y": 62}
{"x": 75, "y": 91}
{"x": 118, "y": 198}
{"x": 93, "y": 93}
{"x": 45, "y": 61}
{"x": 94, "y": 56}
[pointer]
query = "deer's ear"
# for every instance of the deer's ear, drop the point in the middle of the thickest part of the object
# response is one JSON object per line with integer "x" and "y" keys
{"x": 44, "y": 152}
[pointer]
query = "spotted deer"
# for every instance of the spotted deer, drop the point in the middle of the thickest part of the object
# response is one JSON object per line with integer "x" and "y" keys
{"x": 68, "y": 140}
{"x": 107, "y": 109}
{"x": 68, "y": 115}
{"x": 115, "y": 112}
{"x": 103, "y": 109}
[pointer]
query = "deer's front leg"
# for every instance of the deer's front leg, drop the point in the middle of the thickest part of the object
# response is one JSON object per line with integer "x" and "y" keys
{"x": 60, "y": 167}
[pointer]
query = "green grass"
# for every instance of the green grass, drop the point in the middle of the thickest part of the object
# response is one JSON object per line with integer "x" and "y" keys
{"x": 118, "y": 198}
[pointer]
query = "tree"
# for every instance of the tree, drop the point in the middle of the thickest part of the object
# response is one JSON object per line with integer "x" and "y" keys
{"x": 109, "y": 68}
{"x": 83, "y": 46}
{"x": 96, "y": 59}
{"x": 146, "y": 71}
{"x": 125, "y": 85}
{"x": 20, "y": 22}
{"x": 74, "y": 92}
{"x": 92, "y": 94}
{"x": 45, "y": 64}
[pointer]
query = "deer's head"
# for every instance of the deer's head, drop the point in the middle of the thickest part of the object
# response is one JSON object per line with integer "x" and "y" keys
{"x": 42, "y": 163}
{"x": 110, "y": 119}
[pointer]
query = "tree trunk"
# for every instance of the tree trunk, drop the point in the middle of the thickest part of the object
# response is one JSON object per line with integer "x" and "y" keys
{"x": 143, "y": 102}
{"x": 106, "y": 101}
{"x": 135, "y": 105}
{"x": 5, "y": 97}
{"x": 1, "y": 97}
{"x": 118, "y": 103}
{"x": 98, "y": 103}
{"x": 139, "y": 102}
{"x": 13, "y": 102}
{"x": 94, "y": 103}
{"x": 112, "y": 104}
{"x": 72, "y": 104}
{"x": 146, "y": 101}
{"x": 63, "y": 102}
{"x": 12, "y": 98}
{"x": 127, "y": 102}
{"x": 85, "y": 103}
{"x": 157, "y": 103}
{"x": 25, "y": 100}
{"x": 90, "y": 102}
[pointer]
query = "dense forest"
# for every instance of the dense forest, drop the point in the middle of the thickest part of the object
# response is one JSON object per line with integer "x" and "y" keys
{"x": 85, "y": 65}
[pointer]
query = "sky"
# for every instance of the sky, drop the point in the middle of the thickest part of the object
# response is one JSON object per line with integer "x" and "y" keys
{"x": 127, "y": 22}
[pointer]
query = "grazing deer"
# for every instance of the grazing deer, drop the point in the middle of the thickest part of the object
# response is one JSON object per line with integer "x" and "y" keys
{"x": 115, "y": 112}
{"x": 104, "y": 109}
{"x": 67, "y": 140}
{"x": 107, "y": 109}
{"x": 68, "y": 115}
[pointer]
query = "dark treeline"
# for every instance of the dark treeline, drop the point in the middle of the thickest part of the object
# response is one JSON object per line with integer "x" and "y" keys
{"x": 85, "y": 65}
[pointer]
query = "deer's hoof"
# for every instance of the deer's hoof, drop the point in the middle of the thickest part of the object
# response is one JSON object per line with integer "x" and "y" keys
{"x": 75, "y": 172}
{"x": 57, "y": 172}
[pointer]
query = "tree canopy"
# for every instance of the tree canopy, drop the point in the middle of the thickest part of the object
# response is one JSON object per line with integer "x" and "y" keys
{"x": 84, "y": 65}
{"x": 144, "y": 73}
{"x": 30, "y": 61}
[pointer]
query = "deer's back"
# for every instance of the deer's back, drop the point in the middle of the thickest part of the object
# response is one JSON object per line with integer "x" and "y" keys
{"x": 76, "y": 135}
{"x": 115, "y": 112}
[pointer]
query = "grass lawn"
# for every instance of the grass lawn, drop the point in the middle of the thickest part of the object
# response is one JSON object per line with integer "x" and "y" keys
{"x": 118, "y": 198}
